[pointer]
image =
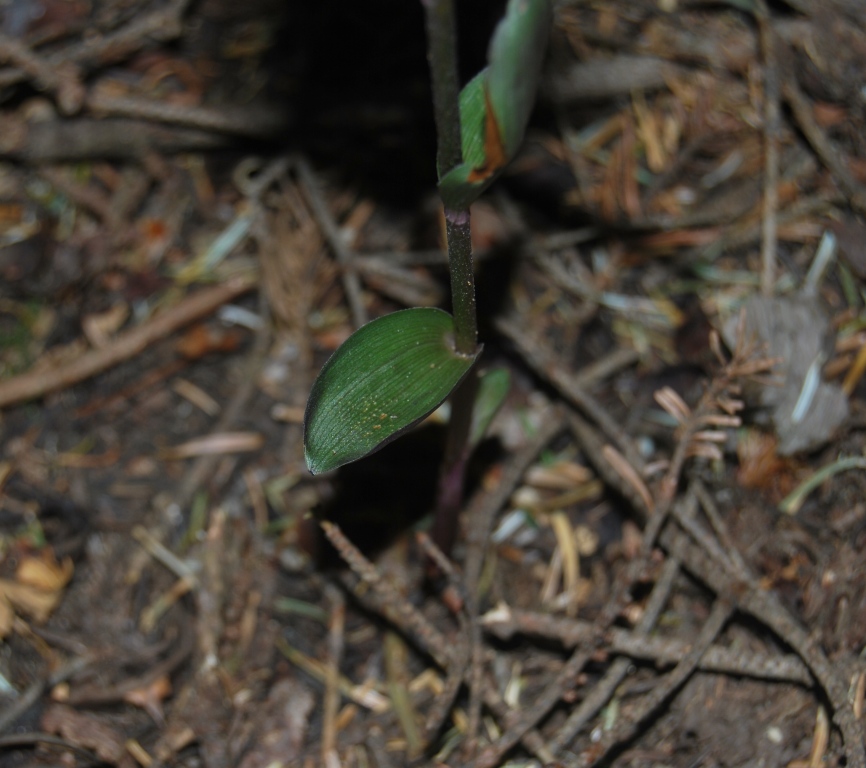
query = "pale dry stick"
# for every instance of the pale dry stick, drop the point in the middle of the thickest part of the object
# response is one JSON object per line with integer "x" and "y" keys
{"x": 606, "y": 366}
{"x": 211, "y": 596}
{"x": 125, "y": 345}
{"x": 344, "y": 255}
{"x": 255, "y": 122}
{"x": 331, "y": 703}
{"x": 507, "y": 622}
{"x": 748, "y": 596}
{"x": 481, "y": 514}
{"x": 170, "y": 506}
{"x": 605, "y": 688}
{"x": 772, "y": 128}
{"x": 739, "y": 236}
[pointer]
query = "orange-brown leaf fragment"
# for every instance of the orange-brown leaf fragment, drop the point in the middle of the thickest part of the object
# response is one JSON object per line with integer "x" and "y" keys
{"x": 495, "y": 157}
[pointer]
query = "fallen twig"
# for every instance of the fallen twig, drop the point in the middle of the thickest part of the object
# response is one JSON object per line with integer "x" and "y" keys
{"x": 671, "y": 683}
{"x": 544, "y": 362}
{"x": 505, "y": 622}
{"x": 126, "y": 345}
{"x": 772, "y": 126}
{"x": 765, "y": 607}
{"x": 605, "y": 688}
{"x": 388, "y": 602}
{"x": 63, "y": 80}
{"x": 331, "y": 704}
{"x": 164, "y": 23}
{"x": 256, "y": 122}
{"x": 802, "y": 111}
{"x": 343, "y": 254}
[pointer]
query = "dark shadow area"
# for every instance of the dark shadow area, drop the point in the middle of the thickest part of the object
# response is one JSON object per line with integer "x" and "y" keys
{"x": 356, "y": 78}
{"x": 379, "y": 497}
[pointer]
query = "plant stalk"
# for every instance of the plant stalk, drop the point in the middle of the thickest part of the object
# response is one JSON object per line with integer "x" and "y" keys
{"x": 442, "y": 55}
{"x": 459, "y": 241}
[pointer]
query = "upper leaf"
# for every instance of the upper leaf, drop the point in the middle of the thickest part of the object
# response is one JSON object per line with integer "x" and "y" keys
{"x": 516, "y": 55}
{"x": 496, "y": 104}
{"x": 383, "y": 379}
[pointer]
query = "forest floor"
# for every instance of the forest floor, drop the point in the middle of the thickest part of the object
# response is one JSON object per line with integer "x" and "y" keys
{"x": 661, "y": 556}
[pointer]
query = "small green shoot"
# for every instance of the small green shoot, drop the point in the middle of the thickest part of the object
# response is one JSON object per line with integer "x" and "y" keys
{"x": 492, "y": 390}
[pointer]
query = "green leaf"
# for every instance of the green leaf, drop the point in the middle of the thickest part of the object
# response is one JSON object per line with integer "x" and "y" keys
{"x": 383, "y": 379}
{"x": 516, "y": 55}
{"x": 496, "y": 104}
{"x": 493, "y": 388}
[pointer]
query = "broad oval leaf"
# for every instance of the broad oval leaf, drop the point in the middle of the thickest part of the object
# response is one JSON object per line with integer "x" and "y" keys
{"x": 383, "y": 379}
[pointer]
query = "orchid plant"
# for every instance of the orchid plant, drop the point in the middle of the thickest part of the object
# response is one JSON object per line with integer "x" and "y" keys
{"x": 396, "y": 370}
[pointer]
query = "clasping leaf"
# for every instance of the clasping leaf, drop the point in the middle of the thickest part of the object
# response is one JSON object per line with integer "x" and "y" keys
{"x": 383, "y": 379}
{"x": 496, "y": 104}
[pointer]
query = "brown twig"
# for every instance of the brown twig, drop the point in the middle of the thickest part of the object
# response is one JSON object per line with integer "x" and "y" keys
{"x": 33, "y": 738}
{"x": 748, "y": 596}
{"x": 344, "y": 255}
{"x": 544, "y": 362}
{"x": 331, "y": 703}
{"x": 84, "y": 138}
{"x": 506, "y": 622}
{"x": 605, "y": 688}
{"x": 160, "y": 25}
{"x": 823, "y": 147}
{"x": 63, "y": 80}
{"x": 39, "y": 382}
{"x": 671, "y": 683}
{"x": 772, "y": 127}
{"x": 405, "y": 615}
{"x": 388, "y": 602}
{"x": 255, "y": 122}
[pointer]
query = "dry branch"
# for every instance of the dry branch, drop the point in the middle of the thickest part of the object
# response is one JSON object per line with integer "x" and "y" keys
{"x": 125, "y": 346}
